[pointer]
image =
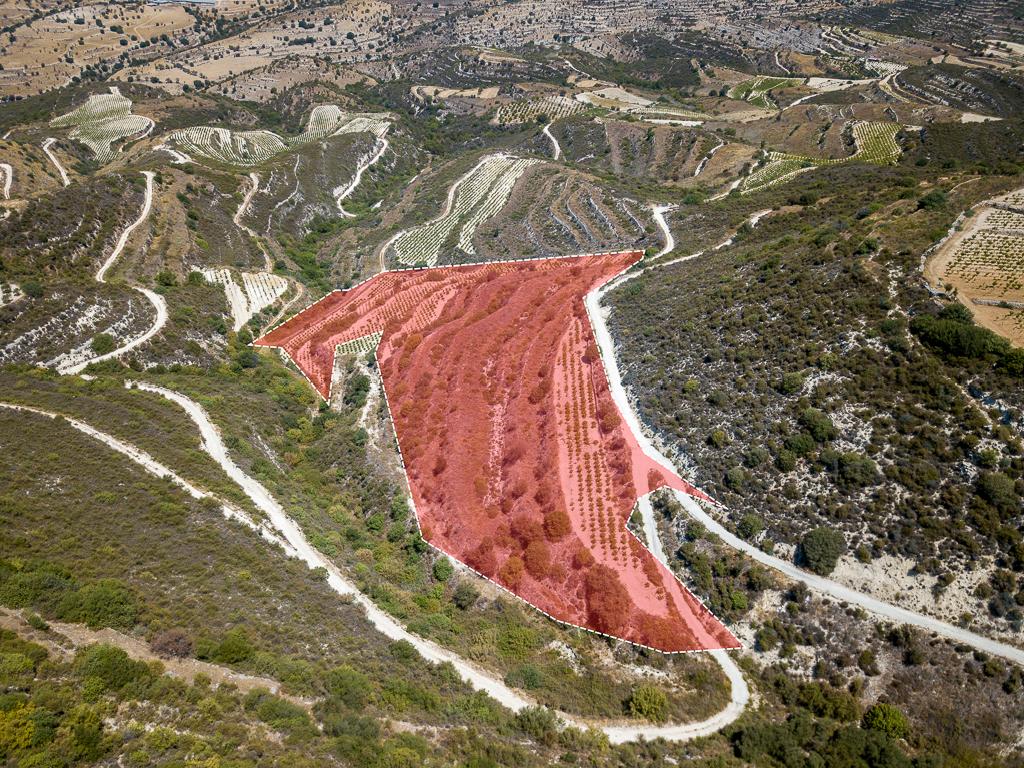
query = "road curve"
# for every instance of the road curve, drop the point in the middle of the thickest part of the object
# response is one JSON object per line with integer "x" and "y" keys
{"x": 154, "y": 467}
{"x": 53, "y": 159}
{"x": 340, "y": 193}
{"x": 479, "y": 678}
{"x": 598, "y": 318}
{"x": 158, "y": 302}
{"x": 846, "y": 594}
{"x": 554, "y": 142}
{"x": 659, "y": 219}
{"x": 8, "y": 174}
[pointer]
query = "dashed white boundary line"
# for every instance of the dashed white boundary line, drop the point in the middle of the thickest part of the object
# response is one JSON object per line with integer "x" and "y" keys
{"x": 639, "y": 435}
{"x": 481, "y": 679}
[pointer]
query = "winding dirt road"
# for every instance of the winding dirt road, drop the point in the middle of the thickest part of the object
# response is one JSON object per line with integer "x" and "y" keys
{"x": 53, "y": 159}
{"x": 598, "y": 318}
{"x": 659, "y": 219}
{"x": 341, "y": 193}
{"x": 8, "y": 174}
{"x": 479, "y": 678}
{"x": 158, "y": 302}
{"x": 843, "y": 593}
{"x": 554, "y": 142}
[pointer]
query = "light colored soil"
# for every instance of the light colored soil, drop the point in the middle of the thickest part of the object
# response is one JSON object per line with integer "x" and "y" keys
{"x": 35, "y": 61}
{"x": 938, "y": 273}
{"x": 890, "y": 578}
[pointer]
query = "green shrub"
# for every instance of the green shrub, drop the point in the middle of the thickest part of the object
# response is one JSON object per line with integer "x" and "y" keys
{"x": 102, "y": 343}
{"x": 750, "y": 526}
{"x": 234, "y": 648}
{"x": 465, "y": 595}
{"x": 105, "y": 603}
{"x": 649, "y": 703}
{"x": 998, "y": 490}
{"x": 821, "y": 549}
{"x": 349, "y": 686}
{"x": 932, "y": 200}
{"x": 818, "y": 424}
{"x": 539, "y": 723}
{"x": 110, "y": 665}
{"x": 443, "y": 569}
{"x": 887, "y": 719}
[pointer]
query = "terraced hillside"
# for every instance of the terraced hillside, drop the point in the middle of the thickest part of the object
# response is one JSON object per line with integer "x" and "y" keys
{"x": 809, "y": 313}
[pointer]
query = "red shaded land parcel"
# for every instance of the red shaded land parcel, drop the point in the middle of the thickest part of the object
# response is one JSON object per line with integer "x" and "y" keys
{"x": 518, "y": 462}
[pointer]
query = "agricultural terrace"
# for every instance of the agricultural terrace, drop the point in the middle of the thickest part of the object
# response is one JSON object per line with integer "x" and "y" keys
{"x": 258, "y": 291}
{"x": 875, "y": 143}
{"x": 473, "y": 199}
{"x": 527, "y": 110}
{"x": 613, "y": 97}
{"x": 249, "y": 148}
{"x": 518, "y": 462}
{"x": 757, "y": 91}
{"x": 984, "y": 262}
{"x": 102, "y": 121}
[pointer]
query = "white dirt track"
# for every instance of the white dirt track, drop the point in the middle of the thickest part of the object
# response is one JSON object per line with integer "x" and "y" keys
{"x": 158, "y": 302}
{"x": 555, "y": 146}
{"x": 283, "y": 531}
{"x": 8, "y": 175}
{"x": 479, "y": 678}
{"x": 598, "y": 318}
{"x": 53, "y": 159}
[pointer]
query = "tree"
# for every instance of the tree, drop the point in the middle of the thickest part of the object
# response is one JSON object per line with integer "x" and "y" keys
{"x": 649, "y": 703}
{"x": 102, "y": 343}
{"x": 537, "y": 559}
{"x": 511, "y": 572}
{"x": 608, "y": 603}
{"x": 818, "y": 424}
{"x": 443, "y": 569}
{"x": 887, "y": 719}
{"x": 821, "y": 549}
{"x": 750, "y": 526}
{"x": 557, "y": 525}
{"x": 465, "y": 595}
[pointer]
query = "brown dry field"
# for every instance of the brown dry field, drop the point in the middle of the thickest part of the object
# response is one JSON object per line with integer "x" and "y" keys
{"x": 268, "y": 42}
{"x": 1008, "y": 323}
{"x": 36, "y": 61}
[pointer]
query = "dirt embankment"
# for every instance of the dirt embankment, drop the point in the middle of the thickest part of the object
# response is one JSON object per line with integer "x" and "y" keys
{"x": 63, "y": 640}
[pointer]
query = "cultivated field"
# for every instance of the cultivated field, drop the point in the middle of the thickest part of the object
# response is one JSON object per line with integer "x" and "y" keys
{"x": 250, "y": 148}
{"x": 494, "y": 380}
{"x": 983, "y": 262}
{"x": 758, "y": 91}
{"x": 56, "y": 48}
{"x": 875, "y": 143}
{"x": 527, "y": 110}
{"x": 473, "y": 199}
{"x": 102, "y": 122}
{"x": 257, "y": 291}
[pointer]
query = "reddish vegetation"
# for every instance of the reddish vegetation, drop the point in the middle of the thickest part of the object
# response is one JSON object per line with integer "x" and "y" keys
{"x": 518, "y": 461}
